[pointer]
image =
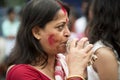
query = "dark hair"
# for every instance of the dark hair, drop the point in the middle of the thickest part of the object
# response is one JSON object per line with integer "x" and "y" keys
{"x": 105, "y": 25}
{"x": 88, "y": 9}
{"x": 28, "y": 49}
{"x": 10, "y": 10}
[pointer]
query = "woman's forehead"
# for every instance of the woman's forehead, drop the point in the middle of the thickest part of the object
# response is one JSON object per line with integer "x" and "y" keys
{"x": 61, "y": 13}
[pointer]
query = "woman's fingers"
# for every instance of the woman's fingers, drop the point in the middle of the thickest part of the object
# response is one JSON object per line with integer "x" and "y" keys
{"x": 71, "y": 44}
{"x": 74, "y": 42}
{"x": 88, "y": 47}
{"x": 81, "y": 43}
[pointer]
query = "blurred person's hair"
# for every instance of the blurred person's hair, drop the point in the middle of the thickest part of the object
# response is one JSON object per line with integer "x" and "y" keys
{"x": 88, "y": 9}
{"x": 10, "y": 10}
{"x": 105, "y": 24}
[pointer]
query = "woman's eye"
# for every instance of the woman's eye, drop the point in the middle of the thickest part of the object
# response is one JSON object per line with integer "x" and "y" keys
{"x": 60, "y": 28}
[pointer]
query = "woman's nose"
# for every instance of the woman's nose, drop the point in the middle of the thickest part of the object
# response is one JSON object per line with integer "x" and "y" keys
{"x": 67, "y": 32}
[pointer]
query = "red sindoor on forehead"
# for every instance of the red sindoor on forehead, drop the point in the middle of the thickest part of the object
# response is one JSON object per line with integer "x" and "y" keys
{"x": 64, "y": 10}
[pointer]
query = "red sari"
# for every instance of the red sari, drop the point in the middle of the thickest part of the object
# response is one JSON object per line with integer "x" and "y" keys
{"x": 25, "y": 72}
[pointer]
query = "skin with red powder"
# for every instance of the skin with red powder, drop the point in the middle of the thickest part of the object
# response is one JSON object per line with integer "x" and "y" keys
{"x": 65, "y": 12}
{"x": 54, "y": 36}
{"x": 51, "y": 39}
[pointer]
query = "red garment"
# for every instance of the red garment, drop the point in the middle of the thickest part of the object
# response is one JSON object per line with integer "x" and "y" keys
{"x": 25, "y": 72}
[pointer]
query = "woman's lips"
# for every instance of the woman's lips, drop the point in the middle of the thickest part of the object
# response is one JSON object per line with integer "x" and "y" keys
{"x": 63, "y": 44}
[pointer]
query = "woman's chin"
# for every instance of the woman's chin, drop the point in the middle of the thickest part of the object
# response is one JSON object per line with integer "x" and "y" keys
{"x": 62, "y": 51}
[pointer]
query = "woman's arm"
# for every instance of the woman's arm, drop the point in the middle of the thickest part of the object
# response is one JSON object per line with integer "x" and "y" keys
{"x": 106, "y": 65}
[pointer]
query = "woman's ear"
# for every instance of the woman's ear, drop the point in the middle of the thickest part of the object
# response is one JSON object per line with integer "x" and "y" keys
{"x": 36, "y": 32}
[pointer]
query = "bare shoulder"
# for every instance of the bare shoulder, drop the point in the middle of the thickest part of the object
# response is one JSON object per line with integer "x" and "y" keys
{"x": 105, "y": 53}
{"x": 106, "y": 58}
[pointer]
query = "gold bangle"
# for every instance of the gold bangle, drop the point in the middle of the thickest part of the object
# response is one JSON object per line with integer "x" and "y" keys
{"x": 73, "y": 76}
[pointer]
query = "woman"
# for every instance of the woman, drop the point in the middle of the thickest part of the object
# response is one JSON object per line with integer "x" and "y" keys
{"x": 42, "y": 35}
{"x": 104, "y": 33}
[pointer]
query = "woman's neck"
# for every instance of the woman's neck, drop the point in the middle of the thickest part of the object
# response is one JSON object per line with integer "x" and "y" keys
{"x": 49, "y": 68}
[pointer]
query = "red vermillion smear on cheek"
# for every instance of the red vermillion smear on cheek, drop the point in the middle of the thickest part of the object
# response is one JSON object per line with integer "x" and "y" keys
{"x": 51, "y": 39}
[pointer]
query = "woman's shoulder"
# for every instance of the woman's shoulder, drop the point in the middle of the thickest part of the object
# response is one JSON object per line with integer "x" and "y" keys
{"x": 106, "y": 64}
{"x": 19, "y": 72}
{"x": 19, "y": 68}
{"x": 105, "y": 52}
{"x": 102, "y": 50}
{"x": 23, "y": 72}
{"x": 106, "y": 57}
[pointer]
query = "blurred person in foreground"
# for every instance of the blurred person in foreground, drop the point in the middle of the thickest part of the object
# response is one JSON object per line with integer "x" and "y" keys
{"x": 104, "y": 33}
{"x": 42, "y": 36}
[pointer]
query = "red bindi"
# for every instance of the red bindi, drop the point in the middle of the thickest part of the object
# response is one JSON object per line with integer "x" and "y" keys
{"x": 64, "y": 10}
{"x": 66, "y": 20}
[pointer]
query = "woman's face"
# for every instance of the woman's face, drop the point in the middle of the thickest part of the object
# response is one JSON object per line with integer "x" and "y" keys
{"x": 54, "y": 36}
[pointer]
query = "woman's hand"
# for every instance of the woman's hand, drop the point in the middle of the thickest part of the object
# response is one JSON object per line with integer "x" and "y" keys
{"x": 78, "y": 56}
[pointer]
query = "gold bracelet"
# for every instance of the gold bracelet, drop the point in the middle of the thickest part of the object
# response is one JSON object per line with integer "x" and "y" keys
{"x": 73, "y": 76}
